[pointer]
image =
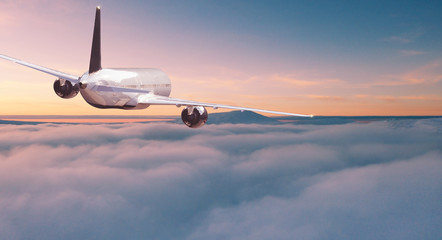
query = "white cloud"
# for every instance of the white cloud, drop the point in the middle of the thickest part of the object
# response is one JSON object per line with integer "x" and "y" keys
{"x": 165, "y": 181}
{"x": 390, "y": 201}
{"x": 409, "y": 53}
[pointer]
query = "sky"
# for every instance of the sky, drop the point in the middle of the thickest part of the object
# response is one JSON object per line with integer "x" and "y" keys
{"x": 379, "y": 180}
{"x": 312, "y": 57}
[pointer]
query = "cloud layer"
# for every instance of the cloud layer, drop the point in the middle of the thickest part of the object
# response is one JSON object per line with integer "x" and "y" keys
{"x": 165, "y": 181}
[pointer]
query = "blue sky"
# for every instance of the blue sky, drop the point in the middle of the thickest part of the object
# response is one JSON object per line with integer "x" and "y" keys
{"x": 353, "y": 30}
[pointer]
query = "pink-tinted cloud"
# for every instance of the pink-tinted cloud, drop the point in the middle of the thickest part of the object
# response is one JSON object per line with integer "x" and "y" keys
{"x": 409, "y": 98}
{"x": 427, "y": 74}
{"x": 361, "y": 198}
{"x": 163, "y": 180}
{"x": 326, "y": 98}
{"x": 409, "y": 53}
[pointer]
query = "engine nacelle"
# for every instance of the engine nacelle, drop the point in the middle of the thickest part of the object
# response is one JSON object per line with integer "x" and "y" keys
{"x": 194, "y": 117}
{"x": 65, "y": 90}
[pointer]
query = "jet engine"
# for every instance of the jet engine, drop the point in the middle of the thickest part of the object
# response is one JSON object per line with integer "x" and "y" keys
{"x": 194, "y": 117}
{"x": 65, "y": 89}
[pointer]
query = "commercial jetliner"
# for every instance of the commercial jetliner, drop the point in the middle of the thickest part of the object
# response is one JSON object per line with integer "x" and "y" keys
{"x": 128, "y": 88}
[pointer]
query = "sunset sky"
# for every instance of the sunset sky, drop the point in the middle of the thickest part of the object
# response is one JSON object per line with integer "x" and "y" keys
{"x": 311, "y": 57}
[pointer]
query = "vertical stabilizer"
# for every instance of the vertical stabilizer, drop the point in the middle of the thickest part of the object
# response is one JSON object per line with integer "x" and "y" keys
{"x": 95, "y": 63}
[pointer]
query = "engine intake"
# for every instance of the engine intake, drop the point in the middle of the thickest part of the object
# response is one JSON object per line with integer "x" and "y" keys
{"x": 194, "y": 117}
{"x": 65, "y": 90}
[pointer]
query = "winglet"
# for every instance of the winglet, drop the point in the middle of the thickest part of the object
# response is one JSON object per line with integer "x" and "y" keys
{"x": 95, "y": 62}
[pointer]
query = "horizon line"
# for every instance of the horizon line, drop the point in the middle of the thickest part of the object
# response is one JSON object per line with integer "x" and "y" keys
{"x": 52, "y": 116}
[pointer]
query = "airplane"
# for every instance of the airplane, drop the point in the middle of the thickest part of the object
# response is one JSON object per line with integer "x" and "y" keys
{"x": 128, "y": 88}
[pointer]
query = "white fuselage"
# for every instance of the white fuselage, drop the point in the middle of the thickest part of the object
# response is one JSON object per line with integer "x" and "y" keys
{"x": 99, "y": 88}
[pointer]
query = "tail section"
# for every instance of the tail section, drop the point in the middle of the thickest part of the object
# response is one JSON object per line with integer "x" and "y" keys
{"x": 95, "y": 62}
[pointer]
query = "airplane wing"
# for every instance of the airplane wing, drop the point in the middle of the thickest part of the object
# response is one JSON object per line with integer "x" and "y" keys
{"x": 160, "y": 100}
{"x": 71, "y": 78}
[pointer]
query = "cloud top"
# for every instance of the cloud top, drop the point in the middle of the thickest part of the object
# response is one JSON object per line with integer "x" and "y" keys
{"x": 165, "y": 181}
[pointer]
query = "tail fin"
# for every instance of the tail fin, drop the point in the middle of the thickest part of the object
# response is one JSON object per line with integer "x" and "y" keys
{"x": 95, "y": 62}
